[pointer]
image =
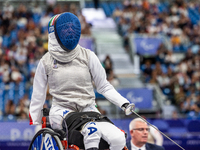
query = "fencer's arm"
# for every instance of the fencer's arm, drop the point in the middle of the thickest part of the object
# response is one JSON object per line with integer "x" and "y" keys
{"x": 102, "y": 85}
{"x": 39, "y": 95}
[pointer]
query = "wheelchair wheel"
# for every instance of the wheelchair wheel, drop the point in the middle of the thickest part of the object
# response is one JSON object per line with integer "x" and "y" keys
{"x": 45, "y": 139}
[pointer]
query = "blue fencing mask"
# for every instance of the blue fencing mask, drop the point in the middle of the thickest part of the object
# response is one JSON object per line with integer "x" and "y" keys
{"x": 67, "y": 30}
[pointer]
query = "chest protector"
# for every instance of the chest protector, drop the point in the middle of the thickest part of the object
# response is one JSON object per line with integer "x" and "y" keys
{"x": 70, "y": 83}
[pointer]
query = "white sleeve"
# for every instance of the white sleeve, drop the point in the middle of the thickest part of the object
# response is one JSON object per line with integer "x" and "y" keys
{"x": 102, "y": 85}
{"x": 157, "y": 136}
{"x": 39, "y": 95}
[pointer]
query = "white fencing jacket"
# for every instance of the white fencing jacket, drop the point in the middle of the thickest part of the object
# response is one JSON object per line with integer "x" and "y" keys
{"x": 69, "y": 84}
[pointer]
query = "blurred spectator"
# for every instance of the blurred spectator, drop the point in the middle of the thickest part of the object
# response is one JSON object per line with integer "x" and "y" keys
{"x": 175, "y": 115}
{"x": 179, "y": 95}
{"x": 145, "y": 4}
{"x": 21, "y": 53}
{"x": 117, "y": 13}
{"x": 22, "y": 110}
{"x": 176, "y": 41}
{"x": 170, "y": 72}
{"x": 16, "y": 76}
{"x": 190, "y": 71}
{"x": 5, "y": 71}
{"x": 196, "y": 105}
{"x": 73, "y": 8}
{"x": 10, "y": 108}
{"x": 148, "y": 71}
{"x": 108, "y": 65}
{"x": 163, "y": 81}
{"x": 158, "y": 68}
{"x": 112, "y": 78}
{"x": 51, "y": 2}
{"x": 160, "y": 56}
{"x": 44, "y": 21}
{"x": 36, "y": 10}
{"x": 187, "y": 104}
{"x": 196, "y": 46}
{"x": 85, "y": 27}
{"x": 189, "y": 54}
{"x": 8, "y": 8}
{"x": 32, "y": 74}
{"x": 170, "y": 59}
{"x": 153, "y": 79}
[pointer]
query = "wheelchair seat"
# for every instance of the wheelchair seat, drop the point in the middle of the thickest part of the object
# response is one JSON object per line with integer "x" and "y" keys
{"x": 74, "y": 123}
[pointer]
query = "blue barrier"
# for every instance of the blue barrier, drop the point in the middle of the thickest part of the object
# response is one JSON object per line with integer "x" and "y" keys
{"x": 137, "y": 96}
{"x": 88, "y": 43}
{"x": 146, "y": 46}
{"x": 17, "y": 135}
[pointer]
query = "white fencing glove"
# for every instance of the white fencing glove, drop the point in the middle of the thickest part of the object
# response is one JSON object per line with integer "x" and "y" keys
{"x": 128, "y": 108}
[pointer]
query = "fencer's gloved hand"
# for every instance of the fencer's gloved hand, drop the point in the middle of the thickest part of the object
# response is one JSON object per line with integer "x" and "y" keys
{"x": 128, "y": 108}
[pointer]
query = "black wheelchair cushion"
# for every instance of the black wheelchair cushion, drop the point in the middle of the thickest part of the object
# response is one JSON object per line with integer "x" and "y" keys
{"x": 75, "y": 121}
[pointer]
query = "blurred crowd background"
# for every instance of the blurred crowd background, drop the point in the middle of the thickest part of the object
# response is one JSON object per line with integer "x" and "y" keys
{"x": 24, "y": 40}
{"x": 179, "y": 20}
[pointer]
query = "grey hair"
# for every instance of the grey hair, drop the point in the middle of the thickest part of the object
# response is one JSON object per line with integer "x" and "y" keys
{"x": 132, "y": 123}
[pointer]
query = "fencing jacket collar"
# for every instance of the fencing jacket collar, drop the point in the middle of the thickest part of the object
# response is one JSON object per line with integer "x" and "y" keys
{"x": 58, "y": 53}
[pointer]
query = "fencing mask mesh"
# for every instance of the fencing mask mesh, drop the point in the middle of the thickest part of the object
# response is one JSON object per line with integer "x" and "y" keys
{"x": 67, "y": 30}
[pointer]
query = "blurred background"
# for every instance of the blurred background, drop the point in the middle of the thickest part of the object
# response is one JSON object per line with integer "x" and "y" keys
{"x": 150, "y": 50}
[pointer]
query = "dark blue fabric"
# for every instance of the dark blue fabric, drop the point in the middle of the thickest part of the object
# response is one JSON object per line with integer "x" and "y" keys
{"x": 68, "y": 29}
{"x": 148, "y": 146}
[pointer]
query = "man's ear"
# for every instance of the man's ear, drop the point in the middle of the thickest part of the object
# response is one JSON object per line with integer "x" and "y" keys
{"x": 131, "y": 133}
